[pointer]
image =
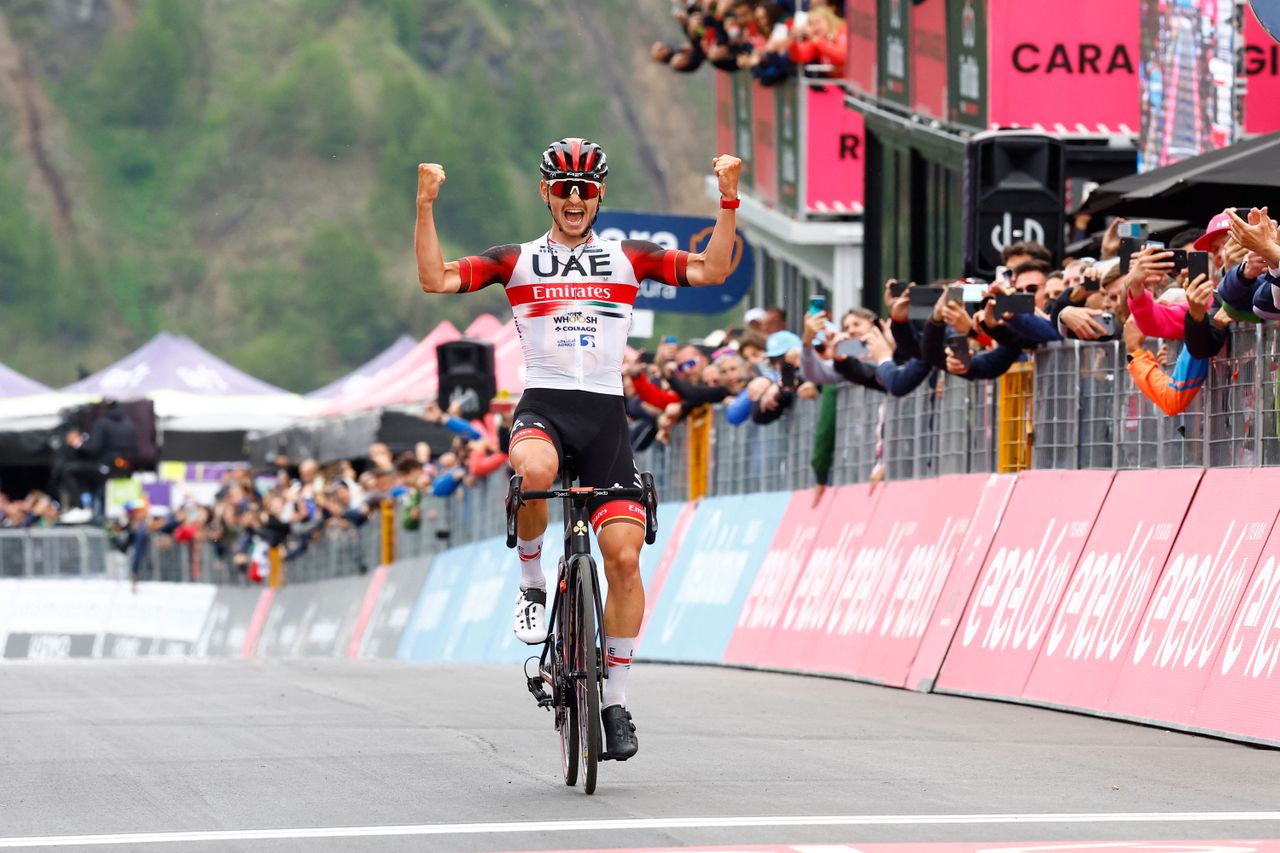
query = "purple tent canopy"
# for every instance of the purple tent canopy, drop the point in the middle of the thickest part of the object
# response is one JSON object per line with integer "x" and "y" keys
{"x": 363, "y": 374}
{"x": 170, "y": 363}
{"x": 14, "y": 384}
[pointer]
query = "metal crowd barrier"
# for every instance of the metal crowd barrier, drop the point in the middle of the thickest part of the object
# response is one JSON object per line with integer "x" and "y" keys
{"x": 53, "y": 552}
{"x": 1072, "y": 406}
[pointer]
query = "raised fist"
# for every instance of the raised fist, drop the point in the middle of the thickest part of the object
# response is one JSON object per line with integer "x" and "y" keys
{"x": 726, "y": 168}
{"x": 430, "y": 177}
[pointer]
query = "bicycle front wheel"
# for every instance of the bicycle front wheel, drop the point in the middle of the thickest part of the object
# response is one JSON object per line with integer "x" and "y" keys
{"x": 587, "y": 664}
{"x": 567, "y": 707}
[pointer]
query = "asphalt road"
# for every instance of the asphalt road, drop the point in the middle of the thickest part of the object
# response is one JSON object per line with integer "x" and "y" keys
{"x": 120, "y": 751}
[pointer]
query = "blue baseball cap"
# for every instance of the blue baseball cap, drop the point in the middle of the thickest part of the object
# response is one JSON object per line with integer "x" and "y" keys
{"x": 781, "y": 343}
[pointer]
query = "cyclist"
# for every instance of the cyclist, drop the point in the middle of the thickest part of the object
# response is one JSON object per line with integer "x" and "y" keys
{"x": 571, "y": 294}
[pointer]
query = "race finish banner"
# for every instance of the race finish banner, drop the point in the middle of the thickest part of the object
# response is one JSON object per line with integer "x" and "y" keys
{"x": 690, "y": 233}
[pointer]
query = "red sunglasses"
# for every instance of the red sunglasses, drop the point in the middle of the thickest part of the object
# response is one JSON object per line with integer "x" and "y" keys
{"x": 566, "y": 188}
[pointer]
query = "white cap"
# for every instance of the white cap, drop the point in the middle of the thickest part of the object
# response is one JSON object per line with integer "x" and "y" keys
{"x": 753, "y": 315}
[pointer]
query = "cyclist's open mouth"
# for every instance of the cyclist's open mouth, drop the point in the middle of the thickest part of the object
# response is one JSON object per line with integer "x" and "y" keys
{"x": 574, "y": 217}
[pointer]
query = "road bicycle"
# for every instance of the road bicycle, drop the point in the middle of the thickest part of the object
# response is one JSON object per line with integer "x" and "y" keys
{"x": 570, "y": 671}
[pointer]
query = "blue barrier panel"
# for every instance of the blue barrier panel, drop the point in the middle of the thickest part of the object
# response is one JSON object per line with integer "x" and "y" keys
{"x": 710, "y": 578}
{"x": 431, "y": 625}
{"x": 506, "y": 648}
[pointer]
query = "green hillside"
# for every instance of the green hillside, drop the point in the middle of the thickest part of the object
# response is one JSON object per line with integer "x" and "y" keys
{"x": 243, "y": 172}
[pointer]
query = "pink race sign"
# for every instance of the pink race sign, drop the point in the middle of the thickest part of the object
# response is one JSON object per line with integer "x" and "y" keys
{"x": 1190, "y": 613}
{"x": 1083, "y": 652}
{"x": 802, "y": 631}
{"x": 1261, "y": 66}
{"x": 765, "y": 149}
{"x": 1064, "y": 63}
{"x": 900, "y": 570}
{"x": 836, "y": 154}
{"x": 1034, "y": 553}
{"x": 754, "y": 640}
{"x": 1242, "y": 696}
{"x": 988, "y": 511}
{"x": 928, "y": 20}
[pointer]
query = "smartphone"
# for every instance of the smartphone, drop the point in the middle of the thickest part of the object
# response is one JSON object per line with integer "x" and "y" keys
{"x": 1179, "y": 261}
{"x": 646, "y": 357}
{"x": 922, "y": 301}
{"x": 955, "y": 293}
{"x": 1108, "y": 322}
{"x": 1015, "y": 303}
{"x": 959, "y": 346}
{"x": 1197, "y": 265}
{"x": 1243, "y": 213}
{"x": 817, "y": 304}
{"x": 1128, "y": 245}
{"x": 788, "y": 376}
{"x": 897, "y": 288}
{"x": 1137, "y": 229}
{"x": 1093, "y": 282}
{"x": 671, "y": 340}
{"x": 851, "y": 348}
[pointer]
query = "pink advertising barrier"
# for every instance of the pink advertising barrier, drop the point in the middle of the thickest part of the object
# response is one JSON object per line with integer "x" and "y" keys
{"x": 1034, "y": 553}
{"x": 1190, "y": 614}
{"x": 1098, "y": 615}
{"x": 863, "y": 28}
{"x": 764, "y": 161}
{"x": 981, "y": 532}
{"x": 795, "y": 635}
{"x": 850, "y": 586}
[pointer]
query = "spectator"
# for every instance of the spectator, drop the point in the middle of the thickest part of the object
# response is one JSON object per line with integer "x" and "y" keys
{"x": 109, "y": 448}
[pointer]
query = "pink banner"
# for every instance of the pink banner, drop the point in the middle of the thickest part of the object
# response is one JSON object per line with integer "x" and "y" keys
{"x": 1190, "y": 614}
{"x": 1261, "y": 65}
{"x": 1083, "y": 653}
{"x": 802, "y": 636}
{"x": 836, "y": 153}
{"x": 1071, "y": 64}
{"x": 724, "y": 114}
{"x": 928, "y": 75}
{"x": 911, "y": 544}
{"x": 366, "y": 612}
{"x": 754, "y": 639}
{"x": 989, "y": 510}
{"x": 861, "y": 21}
{"x": 765, "y": 151}
{"x": 1242, "y": 695}
{"x": 1017, "y": 594}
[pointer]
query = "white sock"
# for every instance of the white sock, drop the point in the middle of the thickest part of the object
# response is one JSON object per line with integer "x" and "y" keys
{"x": 530, "y": 553}
{"x": 618, "y": 661}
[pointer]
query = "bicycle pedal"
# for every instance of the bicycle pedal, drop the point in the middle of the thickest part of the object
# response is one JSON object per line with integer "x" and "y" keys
{"x": 539, "y": 692}
{"x": 608, "y": 756}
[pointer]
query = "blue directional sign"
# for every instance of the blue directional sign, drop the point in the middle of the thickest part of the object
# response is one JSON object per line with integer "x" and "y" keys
{"x": 680, "y": 232}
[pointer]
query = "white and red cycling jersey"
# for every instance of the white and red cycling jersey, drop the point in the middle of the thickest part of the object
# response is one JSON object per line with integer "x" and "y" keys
{"x": 573, "y": 307}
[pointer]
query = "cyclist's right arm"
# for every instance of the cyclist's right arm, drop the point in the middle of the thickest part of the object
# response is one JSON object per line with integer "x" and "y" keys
{"x": 461, "y": 276}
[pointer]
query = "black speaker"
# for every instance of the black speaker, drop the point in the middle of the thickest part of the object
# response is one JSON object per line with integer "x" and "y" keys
{"x": 465, "y": 368}
{"x": 1014, "y": 184}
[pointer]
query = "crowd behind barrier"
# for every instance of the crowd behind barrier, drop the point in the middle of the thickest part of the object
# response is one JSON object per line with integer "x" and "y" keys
{"x": 769, "y": 40}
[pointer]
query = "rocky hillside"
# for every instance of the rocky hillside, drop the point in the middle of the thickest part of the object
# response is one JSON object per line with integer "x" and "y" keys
{"x": 243, "y": 172}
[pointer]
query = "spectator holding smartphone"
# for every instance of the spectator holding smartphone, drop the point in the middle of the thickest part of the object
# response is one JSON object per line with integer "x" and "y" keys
{"x": 948, "y": 315}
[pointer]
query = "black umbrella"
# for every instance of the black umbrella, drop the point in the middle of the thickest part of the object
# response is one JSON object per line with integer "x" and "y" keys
{"x": 1241, "y": 175}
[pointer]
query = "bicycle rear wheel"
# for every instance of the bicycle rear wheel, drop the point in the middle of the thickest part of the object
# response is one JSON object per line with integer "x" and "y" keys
{"x": 587, "y": 664}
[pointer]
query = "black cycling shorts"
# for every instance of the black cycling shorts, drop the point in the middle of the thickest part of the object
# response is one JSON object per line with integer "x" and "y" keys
{"x": 590, "y": 429}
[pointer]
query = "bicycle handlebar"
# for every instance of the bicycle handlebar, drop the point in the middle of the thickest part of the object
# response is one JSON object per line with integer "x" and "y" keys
{"x": 582, "y": 492}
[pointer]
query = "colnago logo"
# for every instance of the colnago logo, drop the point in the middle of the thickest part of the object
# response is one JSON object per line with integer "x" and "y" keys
{"x": 1259, "y": 617}
{"x": 1104, "y": 600}
{"x": 1019, "y": 590}
{"x": 824, "y": 576}
{"x": 777, "y": 575}
{"x": 1193, "y": 603}
{"x": 570, "y": 291}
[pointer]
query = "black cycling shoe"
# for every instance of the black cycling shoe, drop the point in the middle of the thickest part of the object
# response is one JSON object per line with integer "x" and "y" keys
{"x": 619, "y": 734}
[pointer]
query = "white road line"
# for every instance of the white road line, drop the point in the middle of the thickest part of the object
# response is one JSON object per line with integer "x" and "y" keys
{"x": 624, "y": 823}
